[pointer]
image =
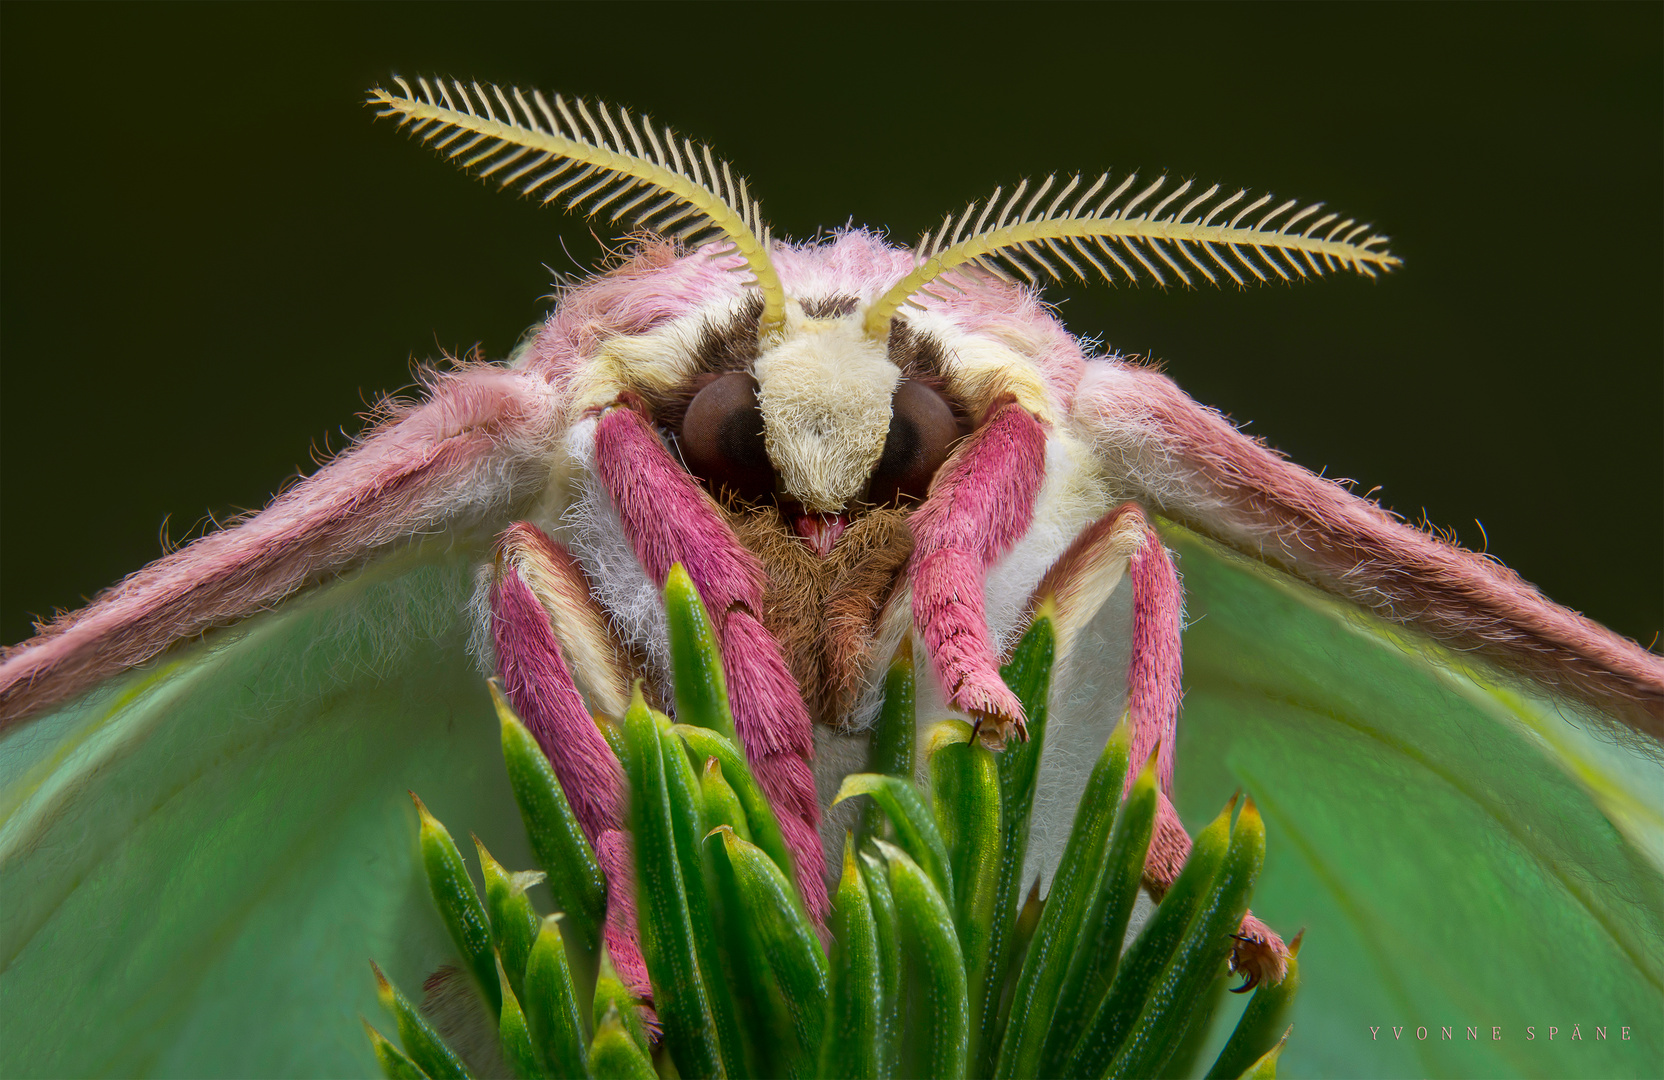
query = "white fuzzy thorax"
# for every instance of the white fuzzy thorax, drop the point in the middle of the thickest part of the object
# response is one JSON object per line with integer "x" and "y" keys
{"x": 825, "y": 394}
{"x": 595, "y": 537}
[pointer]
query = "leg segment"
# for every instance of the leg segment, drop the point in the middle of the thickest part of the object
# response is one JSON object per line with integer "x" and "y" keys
{"x": 540, "y": 609}
{"x": 1154, "y": 687}
{"x": 669, "y": 519}
{"x": 1155, "y": 674}
{"x": 538, "y": 681}
{"x": 1123, "y": 544}
{"x": 979, "y": 506}
{"x": 1259, "y": 954}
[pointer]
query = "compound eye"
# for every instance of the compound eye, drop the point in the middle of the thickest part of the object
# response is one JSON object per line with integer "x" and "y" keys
{"x": 922, "y": 431}
{"x": 722, "y": 438}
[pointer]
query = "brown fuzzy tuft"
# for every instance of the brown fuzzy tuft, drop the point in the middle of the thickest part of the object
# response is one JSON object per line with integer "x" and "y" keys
{"x": 724, "y": 345}
{"x": 824, "y": 611}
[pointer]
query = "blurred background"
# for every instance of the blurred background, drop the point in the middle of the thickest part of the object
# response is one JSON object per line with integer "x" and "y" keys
{"x": 213, "y": 258}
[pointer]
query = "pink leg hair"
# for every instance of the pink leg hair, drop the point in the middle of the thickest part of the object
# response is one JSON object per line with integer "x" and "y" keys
{"x": 1202, "y": 472}
{"x": 623, "y": 941}
{"x": 1154, "y": 687}
{"x": 466, "y": 455}
{"x": 669, "y": 519}
{"x": 980, "y": 505}
{"x": 540, "y": 686}
{"x": 1259, "y": 954}
{"x": 1155, "y": 675}
{"x": 537, "y": 681}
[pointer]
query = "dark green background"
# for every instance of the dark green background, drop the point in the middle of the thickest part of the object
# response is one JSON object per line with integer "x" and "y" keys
{"x": 213, "y": 257}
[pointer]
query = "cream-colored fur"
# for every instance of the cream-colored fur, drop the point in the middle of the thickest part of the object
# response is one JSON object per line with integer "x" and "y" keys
{"x": 825, "y": 395}
{"x": 980, "y": 367}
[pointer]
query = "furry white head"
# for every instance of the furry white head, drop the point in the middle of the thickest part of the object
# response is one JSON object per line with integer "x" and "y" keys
{"x": 825, "y": 392}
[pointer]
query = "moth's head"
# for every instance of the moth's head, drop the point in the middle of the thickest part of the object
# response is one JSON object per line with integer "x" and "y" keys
{"x": 823, "y": 420}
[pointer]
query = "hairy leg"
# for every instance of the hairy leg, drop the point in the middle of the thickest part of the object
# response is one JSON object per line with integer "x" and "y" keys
{"x": 979, "y": 506}
{"x": 541, "y": 615}
{"x": 1123, "y": 544}
{"x": 669, "y": 519}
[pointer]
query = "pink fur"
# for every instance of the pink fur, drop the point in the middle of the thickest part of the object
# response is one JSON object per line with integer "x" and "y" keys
{"x": 649, "y": 287}
{"x": 540, "y": 686}
{"x": 623, "y": 942}
{"x": 768, "y": 706}
{"x": 669, "y": 519}
{"x": 1261, "y": 951}
{"x": 1194, "y": 467}
{"x": 856, "y": 263}
{"x": 478, "y": 443}
{"x": 979, "y": 506}
{"x": 789, "y": 783}
{"x": 464, "y": 455}
{"x": 483, "y": 440}
{"x": 1155, "y": 675}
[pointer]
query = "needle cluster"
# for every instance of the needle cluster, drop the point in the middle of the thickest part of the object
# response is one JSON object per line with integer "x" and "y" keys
{"x": 936, "y": 966}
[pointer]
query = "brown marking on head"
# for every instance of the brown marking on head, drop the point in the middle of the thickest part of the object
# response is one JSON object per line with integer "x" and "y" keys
{"x": 829, "y": 307}
{"x": 724, "y": 345}
{"x": 923, "y": 359}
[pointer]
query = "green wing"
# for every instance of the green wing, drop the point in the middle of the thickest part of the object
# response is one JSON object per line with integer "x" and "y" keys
{"x": 198, "y": 862}
{"x": 1462, "y": 852}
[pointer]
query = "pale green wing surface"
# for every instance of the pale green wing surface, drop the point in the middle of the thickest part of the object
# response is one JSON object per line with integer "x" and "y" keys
{"x": 1463, "y": 852}
{"x": 199, "y": 860}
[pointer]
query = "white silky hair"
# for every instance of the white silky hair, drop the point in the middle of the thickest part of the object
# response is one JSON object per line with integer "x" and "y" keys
{"x": 595, "y": 536}
{"x": 482, "y": 644}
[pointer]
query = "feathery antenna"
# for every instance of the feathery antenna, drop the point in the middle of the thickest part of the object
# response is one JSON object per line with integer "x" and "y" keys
{"x": 1032, "y": 235}
{"x": 598, "y": 159}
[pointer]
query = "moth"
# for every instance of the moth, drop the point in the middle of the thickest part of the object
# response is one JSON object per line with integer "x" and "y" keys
{"x": 853, "y": 447}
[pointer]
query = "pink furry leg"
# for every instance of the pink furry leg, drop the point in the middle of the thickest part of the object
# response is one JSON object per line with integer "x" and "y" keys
{"x": 479, "y": 443}
{"x": 1259, "y": 954}
{"x": 761, "y": 691}
{"x": 1155, "y": 673}
{"x": 539, "y": 684}
{"x": 669, "y": 519}
{"x": 623, "y": 939}
{"x": 979, "y": 506}
{"x": 1154, "y": 687}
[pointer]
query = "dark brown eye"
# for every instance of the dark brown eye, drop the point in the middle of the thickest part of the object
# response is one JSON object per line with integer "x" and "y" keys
{"x": 722, "y": 438}
{"x": 922, "y": 431}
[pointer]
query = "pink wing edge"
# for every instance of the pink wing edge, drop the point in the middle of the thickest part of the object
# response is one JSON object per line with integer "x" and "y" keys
{"x": 1195, "y": 468}
{"x": 474, "y": 447}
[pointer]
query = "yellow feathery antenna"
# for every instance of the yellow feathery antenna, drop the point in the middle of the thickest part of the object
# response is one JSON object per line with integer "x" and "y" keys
{"x": 1018, "y": 238}
{"x": 676, "y": 184}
